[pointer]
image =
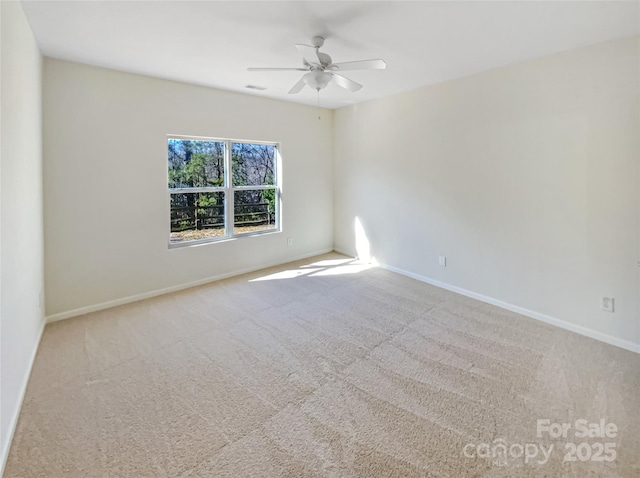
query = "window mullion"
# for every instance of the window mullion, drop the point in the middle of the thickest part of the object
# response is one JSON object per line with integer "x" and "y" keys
{"x": 195, "y": 190}
{"x": 255, "y": 188}
{"x": 229, "y": 207}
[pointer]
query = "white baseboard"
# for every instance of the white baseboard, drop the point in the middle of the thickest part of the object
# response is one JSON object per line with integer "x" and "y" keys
{"x": 344, "y": 253}
{"x": 154, "y": 293}
{"x": 625, "y": 344}
{"x": 6, "y": 444}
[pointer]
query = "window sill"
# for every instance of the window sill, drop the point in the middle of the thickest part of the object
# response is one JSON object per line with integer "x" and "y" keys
{"x": 202, "y": 242}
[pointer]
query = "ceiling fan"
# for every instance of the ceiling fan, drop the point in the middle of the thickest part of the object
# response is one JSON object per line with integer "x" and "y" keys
{"x": 321, "y": 70}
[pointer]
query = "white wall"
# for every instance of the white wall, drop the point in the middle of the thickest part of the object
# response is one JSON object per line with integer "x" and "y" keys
{"x": 105, "y": 190}
{"x": 526, "y": 178}
{"x": 21, "y": 255}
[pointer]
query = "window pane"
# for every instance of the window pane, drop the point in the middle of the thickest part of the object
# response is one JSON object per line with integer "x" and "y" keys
{"x": 254, "y": 210}
{"x": 253, "y": 164}
{"x": 195, "y": 163}
{"x": 196, "y": 216}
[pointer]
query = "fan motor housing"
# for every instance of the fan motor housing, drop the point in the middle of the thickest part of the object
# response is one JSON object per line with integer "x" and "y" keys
{"x": 325, "y": 59}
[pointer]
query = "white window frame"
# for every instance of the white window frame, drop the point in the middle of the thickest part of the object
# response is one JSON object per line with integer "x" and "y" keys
{"x": 229, "y": 190}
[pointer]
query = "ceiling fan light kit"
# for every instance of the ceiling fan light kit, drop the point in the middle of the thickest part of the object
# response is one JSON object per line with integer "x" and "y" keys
{"x": 317, "y": 79}
{"x": 321, "y": 69}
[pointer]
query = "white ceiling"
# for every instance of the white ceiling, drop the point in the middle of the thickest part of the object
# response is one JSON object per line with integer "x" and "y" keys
{"x": 212, "y": 42}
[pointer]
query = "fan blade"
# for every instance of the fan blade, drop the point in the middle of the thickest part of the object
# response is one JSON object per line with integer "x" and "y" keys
{"x": 361, "y": 65}
{"x": 277, "y": 69}
{"x": 346, "y": 83}
{"x": 297, "y": 87}
{"x": 309, "y": 53}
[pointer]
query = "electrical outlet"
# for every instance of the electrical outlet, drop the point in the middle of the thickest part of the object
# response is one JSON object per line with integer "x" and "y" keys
{"x": 606, "y": 303}
{"x": 289, "y": 241}
{"x": 442, "y": 260}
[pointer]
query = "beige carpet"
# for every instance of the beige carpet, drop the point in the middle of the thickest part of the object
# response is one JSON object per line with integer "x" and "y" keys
{"x": 319, "y": 368}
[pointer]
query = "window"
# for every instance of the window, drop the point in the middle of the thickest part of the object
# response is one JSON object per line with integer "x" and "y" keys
{"x": 222, "y": 188}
